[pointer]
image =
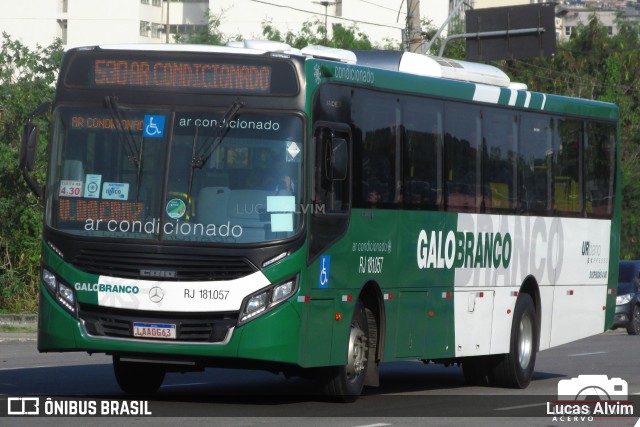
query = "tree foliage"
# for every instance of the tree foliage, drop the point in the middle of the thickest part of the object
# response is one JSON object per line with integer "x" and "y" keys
{"x": 26, "y": 80}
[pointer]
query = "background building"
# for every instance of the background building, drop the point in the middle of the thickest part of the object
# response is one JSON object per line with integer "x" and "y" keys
{"x": 84, "y": 22}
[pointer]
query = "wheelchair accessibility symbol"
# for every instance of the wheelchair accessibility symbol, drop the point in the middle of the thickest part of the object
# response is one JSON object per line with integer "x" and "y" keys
{"x": 325, "y": 265}
{"x": 153, "y": 126}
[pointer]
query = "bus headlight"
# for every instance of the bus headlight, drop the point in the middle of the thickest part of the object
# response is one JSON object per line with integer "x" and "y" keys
{"x": 64, "y": 294}
{"x": 49, "y": 280}
{"x": 266, "y": 299}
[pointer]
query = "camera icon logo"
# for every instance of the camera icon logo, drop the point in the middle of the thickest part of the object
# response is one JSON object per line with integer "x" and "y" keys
{"x": 593, "y": 387}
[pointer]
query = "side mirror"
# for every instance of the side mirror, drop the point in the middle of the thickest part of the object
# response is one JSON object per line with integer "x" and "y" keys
{"x": 29, "y": 148}
{"x": 339, "y": 159}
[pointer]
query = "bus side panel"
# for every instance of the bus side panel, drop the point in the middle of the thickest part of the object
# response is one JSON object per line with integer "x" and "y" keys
{"x": 273, "y": 337}
{"x": 577, "y": 313}
{"x": 411, "y": 324}
{"x": 439, "y": 333}
{"x": 474, "y": 317}
{"x": 546, "y": 309}
{"x": 422, "y": 239}
{"x": 581, "y": 279}
{"x": 317, "y": 336}
{"x": 55, "y": 326}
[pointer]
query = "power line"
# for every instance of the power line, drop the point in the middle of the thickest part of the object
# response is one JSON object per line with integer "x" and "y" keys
{"x": 380, "y": 6}
{"x": 331, "y": 16}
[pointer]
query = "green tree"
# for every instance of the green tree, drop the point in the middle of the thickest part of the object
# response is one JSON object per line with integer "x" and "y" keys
{"x": 312, "y": 32}
{"x": 210, "y": 34}
{"x": 26, "y": 80}
{"x": 594, "y": 65}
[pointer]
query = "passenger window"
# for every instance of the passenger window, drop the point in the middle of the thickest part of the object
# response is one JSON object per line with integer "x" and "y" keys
{"x": 500, "y": 139}
{"x": 567, "y": 185}
{"x": 422, "y": 155}
{"x": 600, "y": 160}
{"x": 535, "y": 155}
{"x": 462, "y": 161}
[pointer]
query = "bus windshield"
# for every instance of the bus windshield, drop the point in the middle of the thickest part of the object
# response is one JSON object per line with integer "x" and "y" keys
{"x": 202, "y": 176}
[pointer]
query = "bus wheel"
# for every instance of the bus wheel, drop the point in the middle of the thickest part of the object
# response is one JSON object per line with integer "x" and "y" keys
{"x": 138, "y": 378}
{"x": 345, "y": 383}
{"x": 476, "y": 371}
{"x": 634, "y": 323}
{"x": 515, "y": 368}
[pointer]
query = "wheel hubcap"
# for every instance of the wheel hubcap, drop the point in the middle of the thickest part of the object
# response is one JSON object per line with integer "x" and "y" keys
{"x": 525, "y": 341}
{"x": 357, "y": 356}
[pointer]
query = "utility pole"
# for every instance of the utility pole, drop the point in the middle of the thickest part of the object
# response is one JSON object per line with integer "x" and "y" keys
{"x": 414, "y": 32}
{"x": 166, "y": 30}
{"x": 326, "y": 4}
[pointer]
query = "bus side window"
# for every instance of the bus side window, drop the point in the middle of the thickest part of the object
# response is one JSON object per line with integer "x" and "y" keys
{"x": 534, "y": 164}
{"x": 500, "y": 147}
{"x": 567, "y": 185}
{"x": 462, "y": 158}
{"x": 600, "y": 170}
{"x": 422, "y": 154}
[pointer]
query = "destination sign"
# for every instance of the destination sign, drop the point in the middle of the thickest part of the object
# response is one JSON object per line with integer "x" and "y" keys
{"x": 207, "y": 76}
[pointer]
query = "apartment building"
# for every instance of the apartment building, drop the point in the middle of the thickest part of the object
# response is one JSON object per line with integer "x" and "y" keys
{"x": 83, "y": 22}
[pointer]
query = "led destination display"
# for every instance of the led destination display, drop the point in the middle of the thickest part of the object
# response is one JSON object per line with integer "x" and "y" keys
{"x": 218, "y": 76}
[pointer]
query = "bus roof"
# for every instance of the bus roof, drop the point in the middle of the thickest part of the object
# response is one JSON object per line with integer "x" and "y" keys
{"x": 423, "y": 65}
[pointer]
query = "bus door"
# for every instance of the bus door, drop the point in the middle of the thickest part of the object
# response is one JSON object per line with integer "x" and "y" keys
{"x": 331, "y": 183}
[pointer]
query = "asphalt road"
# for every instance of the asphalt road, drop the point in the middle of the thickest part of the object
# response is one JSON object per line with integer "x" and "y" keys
{"x": 411, "y": 393}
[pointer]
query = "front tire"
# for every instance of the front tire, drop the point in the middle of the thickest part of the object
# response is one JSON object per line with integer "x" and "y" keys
{"x": 634, "y": 323}
{"x": 345, "y": 383}
{"x": 138, "y": 378}
{"x": 515, "y": 369}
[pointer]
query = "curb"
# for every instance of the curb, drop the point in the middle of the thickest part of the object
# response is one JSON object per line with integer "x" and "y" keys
{"x": 25, "y": 320}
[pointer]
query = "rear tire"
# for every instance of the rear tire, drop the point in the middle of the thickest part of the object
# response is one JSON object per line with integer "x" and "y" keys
{"x": 515, "y": 369}
{"x": 345, "y": 383}
{"x": 138, "y": 378}
{"x": 634, "y": 323}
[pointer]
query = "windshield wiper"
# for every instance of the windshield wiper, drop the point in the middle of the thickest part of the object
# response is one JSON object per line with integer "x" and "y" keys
{"x": 211, "y": 145}
{"x": 127, "y": 139}
{"x": 200, "y": 156}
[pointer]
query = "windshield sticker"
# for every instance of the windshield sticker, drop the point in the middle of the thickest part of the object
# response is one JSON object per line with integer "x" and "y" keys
{"x": 115, "y": 191}
{"x": 70, "y": 188}
{"x": 92, "y": 186}
{"x": 281, "y": 204}
{"x": 325, "y": 266}
{"x": 176, "y": 208}
{"x": 292, "y": 152}
{"x": 153, "y": 126}
{"x": 281, "y": 222}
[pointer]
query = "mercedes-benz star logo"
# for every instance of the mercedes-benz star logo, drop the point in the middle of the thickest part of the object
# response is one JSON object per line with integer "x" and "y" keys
{"x": 156, "y": 294}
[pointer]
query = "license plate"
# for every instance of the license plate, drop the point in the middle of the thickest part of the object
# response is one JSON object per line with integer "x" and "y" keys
{"x": 154, "y": 330}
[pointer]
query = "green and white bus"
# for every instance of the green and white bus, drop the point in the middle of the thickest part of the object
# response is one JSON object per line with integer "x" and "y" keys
{"x": 318, "y": 212}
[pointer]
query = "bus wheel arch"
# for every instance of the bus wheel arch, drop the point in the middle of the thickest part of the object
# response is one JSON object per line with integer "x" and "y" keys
{"x": 515, "y": 368}
{"x": 530, "y": 286}
{"x": 371, "y": 297}
{"x": 345, "y": 383}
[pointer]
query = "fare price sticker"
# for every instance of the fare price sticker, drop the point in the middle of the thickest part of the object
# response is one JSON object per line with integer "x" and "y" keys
{"x": 70, "y": 188}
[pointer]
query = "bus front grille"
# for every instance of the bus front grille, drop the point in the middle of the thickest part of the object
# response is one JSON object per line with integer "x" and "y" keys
{"x": 113, "y": 323}
{"x": 171, "y": 266}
